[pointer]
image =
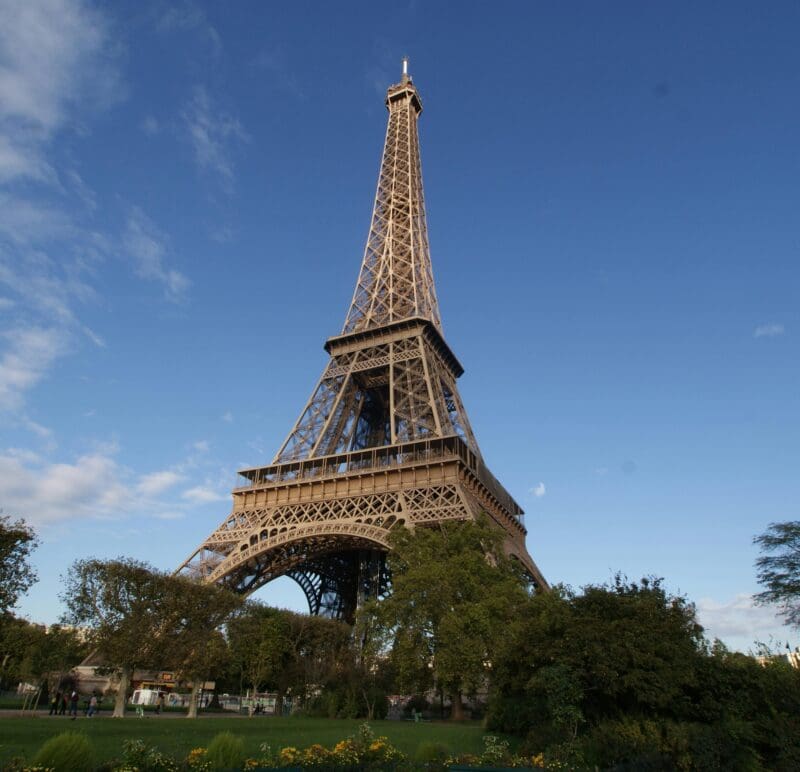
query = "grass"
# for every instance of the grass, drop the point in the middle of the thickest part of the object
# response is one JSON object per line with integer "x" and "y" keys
{"x": 177, "y": 736}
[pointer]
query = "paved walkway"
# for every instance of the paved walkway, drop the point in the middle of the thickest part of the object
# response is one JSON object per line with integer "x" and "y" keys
{"x": 130, "y": 713}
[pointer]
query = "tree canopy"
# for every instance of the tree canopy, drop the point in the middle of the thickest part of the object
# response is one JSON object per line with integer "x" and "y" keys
{"x": 35, "y": 653}
{"x": 17, "y": 541}
{"x": 621, "y": 674}
{"x": 288, "y": 653}
{"x": 778, "y": 569}
{"x": 453, "y": 594}
{"x": 136, "y": 616}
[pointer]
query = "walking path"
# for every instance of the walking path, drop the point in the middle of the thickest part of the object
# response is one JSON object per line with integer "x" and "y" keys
{"x": 130, "y": 713}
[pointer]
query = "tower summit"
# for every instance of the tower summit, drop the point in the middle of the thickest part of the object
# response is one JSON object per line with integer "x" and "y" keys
{"x": 384, "y": 439}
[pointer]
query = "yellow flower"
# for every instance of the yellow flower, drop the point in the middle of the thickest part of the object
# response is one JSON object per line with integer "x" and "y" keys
{"x": 289, "y": 755}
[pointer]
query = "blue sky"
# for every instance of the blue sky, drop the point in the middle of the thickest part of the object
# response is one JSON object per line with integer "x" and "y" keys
{"x": 612, "y": 194}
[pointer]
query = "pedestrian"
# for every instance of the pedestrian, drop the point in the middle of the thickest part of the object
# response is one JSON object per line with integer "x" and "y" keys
{"x": 92, "y": 706}
{"x": 54, "y": 700}
{"x": 73, "y": 704}
{"x": 63, "y": 709}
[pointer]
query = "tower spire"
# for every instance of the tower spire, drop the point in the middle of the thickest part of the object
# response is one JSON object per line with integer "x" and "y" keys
{"x": 396, "y": 278}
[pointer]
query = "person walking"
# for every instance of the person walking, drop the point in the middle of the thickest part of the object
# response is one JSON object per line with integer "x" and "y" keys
{"x": 92, "y": 706}
{"x": 73, "y": 704}
{"x": 62, "y": 711}
{"x": 54, "y": 700}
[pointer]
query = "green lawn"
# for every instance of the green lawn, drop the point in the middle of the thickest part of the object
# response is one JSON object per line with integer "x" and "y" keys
{"x": 177, "y": 736}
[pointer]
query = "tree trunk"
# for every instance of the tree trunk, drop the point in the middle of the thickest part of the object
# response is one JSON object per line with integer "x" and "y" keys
{"x": 279, "y": 704}
{"x": 456, "y": 707}
{"x": 122, "y": 693}
{"x": 194, "y": 699}
{"x": 370, "y": 705}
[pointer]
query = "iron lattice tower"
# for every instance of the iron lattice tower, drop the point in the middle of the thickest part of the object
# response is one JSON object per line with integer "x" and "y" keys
{"x": 384, "y": 440}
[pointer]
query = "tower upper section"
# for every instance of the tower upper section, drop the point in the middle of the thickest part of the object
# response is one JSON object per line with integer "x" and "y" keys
{"x": 396, "y": 278}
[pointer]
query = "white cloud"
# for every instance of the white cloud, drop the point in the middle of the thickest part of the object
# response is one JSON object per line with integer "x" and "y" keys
{"x": 201, "y": 446}
{"x": 188, "y": 17}
{"x": 27, "y": 356}
{"x": 157, "y": 482}
{"x": 202, "y": 494}
{"x": 170, "y": 515}
{"x": 45, "y": 493}
{"x": 56, "y": 67}
{"x": 52, "y": 53}
{"x": 739, "y": 622}
{"x": 539, "y": 490}
{"x": 768, "y": 330}
{"x": 25, "y": 223}
{"x": 146, "y": 246}
{"x": 93, "y": 486}
{"x": 227, "y": 417}
{"x": 211, "y": 134}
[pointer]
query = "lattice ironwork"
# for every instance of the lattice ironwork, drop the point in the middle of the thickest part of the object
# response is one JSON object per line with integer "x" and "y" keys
{"x": 384, "y": 439}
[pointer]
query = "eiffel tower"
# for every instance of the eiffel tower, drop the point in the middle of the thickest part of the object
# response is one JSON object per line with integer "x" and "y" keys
{"x": 384, "y": 440}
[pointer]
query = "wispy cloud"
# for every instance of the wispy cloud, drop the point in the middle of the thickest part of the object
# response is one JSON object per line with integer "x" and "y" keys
{"x": 44, "y": 493}
{"x": 202, "y": 494}
{"x": 538, "y": 490}
{"x": 738, "y": 622}
{"x": 95, "y": 485}
{"x": 156, "y": 483}
{"x": 151, "y": 126}
{"x": 281, "y": 76}
{"x": 212, "y": 133}
{"x": 189, "y": 17}
{"x": 27, "y": 356}
{"x": 146, "y": 246}
{"x": 57, "y": 67}
{"x": 50, "y": 52}
{"x": 768, "y": 330}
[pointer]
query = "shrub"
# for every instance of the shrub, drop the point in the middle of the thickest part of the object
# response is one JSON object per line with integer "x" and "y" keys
{"x": 432, "y": 755}
{"x": 138, "y": 755}
{"x": 69, "y": 751}
{"x": 225, "y": 751}
{"x": 197, "y": 759}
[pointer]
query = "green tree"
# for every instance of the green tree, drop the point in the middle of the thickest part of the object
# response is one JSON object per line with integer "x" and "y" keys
{"x": 17, "y": 541}
{"x": 454, "y": 593}
{"x": 370, "y": 669}
{"x": 36, "y": 653}
{"x": 778, "y": 569}
{"x": 124, "y": 606}
{"x": 136, "y": 616}
{"x": 190, "y": 629}
{"x": 579, "y": 658}
{"x": 285, "y": 652}
{"x": 619, "y": 676}
{"x": 260, "y": 646}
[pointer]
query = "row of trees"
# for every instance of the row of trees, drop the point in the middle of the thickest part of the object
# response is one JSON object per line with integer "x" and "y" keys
{"x": 621, "y": 674}
{"x": 439, "y": 630}
{"x": 607, "y": 674}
